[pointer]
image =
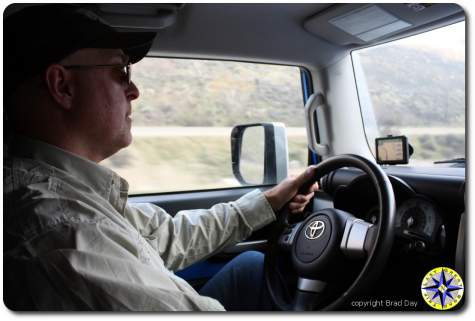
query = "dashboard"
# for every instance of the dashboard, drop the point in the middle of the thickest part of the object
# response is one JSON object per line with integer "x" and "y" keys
{"x": 429, "y": 221}
{"x": 419, "y": 224}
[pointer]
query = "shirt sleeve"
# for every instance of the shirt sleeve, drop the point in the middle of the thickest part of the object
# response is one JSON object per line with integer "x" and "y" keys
{"x": 193, "y": 235}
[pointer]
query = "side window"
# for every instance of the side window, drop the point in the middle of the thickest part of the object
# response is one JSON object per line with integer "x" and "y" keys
{"x": 183, "y": 118}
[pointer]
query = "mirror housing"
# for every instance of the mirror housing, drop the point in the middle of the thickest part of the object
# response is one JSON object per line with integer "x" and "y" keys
{"x": 275, "y": 153}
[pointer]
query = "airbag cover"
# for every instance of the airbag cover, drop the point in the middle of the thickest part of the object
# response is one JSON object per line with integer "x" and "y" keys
{"x": 313, "y": 238}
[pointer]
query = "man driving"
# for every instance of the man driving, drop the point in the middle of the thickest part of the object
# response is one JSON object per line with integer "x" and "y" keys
{"x": 71, "y": 239}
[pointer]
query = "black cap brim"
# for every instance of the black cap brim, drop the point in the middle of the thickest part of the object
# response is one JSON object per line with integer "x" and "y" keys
{"x": 134, "y": 44}
{"x": 40, "y": 35}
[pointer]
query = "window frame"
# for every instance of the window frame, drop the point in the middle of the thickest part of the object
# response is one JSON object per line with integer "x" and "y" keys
{"x": 306, "y": 88}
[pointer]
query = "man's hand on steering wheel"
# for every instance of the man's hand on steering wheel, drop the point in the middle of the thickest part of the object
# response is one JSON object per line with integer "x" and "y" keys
{"x": 327, "y": 241}
{"x": 293, "y": 189}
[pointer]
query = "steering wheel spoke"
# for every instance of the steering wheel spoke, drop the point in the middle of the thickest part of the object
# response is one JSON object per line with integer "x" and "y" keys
{"x": 310, "y": 285}
{"x": 308, "y": 295}
{"x": 357, "y": 238}
{"x": 286, "y": 239}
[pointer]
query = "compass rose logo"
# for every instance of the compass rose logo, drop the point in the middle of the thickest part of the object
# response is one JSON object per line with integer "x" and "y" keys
{"x": 442, "y": 288}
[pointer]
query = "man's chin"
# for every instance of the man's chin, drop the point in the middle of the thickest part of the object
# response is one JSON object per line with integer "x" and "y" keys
{"x": 122, "y": 143}
{"x": 128, "y": 139}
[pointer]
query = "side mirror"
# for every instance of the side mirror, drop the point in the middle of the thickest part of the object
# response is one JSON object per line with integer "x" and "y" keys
{"x": 259, "y": 153}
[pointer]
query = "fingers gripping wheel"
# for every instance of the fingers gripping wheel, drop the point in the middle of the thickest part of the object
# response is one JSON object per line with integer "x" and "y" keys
{"x": 325, "y": 239}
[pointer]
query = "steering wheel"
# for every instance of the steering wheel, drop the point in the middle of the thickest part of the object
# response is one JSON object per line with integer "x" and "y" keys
{"x": 325, "y": 243}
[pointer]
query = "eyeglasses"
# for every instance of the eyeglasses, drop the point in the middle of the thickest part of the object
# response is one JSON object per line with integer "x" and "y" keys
{"x": 126, "y": 69}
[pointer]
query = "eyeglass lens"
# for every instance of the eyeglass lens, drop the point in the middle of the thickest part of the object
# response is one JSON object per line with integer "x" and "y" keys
{"x": 128, "y": 72}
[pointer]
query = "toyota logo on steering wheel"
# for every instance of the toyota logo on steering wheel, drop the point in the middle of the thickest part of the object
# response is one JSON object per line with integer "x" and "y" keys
{"x": 314, "y": 230}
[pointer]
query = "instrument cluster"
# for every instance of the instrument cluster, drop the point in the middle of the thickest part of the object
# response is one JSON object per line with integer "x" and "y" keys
{"x": 418, "y": 222}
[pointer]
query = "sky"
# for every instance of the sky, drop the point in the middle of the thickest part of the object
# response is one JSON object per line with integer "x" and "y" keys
{"x": 449, "y": 41}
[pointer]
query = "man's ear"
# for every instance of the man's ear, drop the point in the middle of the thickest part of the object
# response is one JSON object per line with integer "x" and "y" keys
{"x": 60, "y": 86}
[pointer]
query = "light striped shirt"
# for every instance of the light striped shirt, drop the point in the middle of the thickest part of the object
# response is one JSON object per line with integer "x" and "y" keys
{"x": 73, "y": 242}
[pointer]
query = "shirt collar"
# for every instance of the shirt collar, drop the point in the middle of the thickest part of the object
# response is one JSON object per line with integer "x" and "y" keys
{"x": 102, "y": 180}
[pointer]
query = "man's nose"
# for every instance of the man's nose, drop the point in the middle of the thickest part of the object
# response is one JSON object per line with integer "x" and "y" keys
{"x": 132, "y": 92}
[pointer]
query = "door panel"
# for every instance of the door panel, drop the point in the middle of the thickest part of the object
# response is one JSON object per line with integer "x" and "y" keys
{"x": 174, "y": 202}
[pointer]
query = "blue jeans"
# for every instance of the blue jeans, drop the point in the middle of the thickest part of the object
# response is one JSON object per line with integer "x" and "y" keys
{"x": 240, "y": 284}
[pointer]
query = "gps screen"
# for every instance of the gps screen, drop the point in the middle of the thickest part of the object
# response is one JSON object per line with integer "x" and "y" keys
{"x": 392, "y": 150}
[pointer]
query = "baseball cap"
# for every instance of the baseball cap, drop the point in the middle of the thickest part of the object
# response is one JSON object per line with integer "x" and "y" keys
{"x": 40, "y": 35}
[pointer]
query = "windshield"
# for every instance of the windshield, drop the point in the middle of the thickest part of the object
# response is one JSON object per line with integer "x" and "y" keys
{"x": 416, "y": 87}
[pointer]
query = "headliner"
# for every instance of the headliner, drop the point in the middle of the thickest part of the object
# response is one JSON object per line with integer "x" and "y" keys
{"x": 273, "y": 33}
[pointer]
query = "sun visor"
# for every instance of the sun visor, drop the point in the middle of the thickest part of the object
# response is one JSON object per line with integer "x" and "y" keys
{"x": 130, "y": 17}
{"x": 361, "y": 24}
